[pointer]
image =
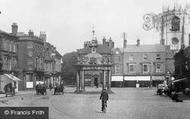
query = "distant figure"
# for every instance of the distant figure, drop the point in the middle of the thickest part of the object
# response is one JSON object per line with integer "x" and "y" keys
{"x": 104, "y": 97}
{"x": 96, "y": 82}
{"x": 50, "y": 86}
{"x": 13, "y": 88}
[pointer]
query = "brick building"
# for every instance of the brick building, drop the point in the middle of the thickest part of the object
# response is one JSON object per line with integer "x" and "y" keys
{"x": 139, "y": 65}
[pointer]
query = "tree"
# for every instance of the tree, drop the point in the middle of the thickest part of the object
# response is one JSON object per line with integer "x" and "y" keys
{"x": 68, "y": 70}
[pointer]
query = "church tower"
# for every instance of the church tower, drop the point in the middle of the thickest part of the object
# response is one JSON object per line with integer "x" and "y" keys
{"x": 175, "y": 25}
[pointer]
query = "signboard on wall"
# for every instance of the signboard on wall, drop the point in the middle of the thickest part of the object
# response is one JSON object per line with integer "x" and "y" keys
{"x": 29, "y": 84}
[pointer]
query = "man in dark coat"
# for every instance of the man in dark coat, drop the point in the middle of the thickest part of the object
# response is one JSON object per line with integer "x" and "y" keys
{"x": 104, "y": 97}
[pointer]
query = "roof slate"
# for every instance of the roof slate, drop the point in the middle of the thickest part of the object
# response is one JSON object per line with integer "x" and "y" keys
{"x": 144, "y": 48}
{"x": 102, "y": 49}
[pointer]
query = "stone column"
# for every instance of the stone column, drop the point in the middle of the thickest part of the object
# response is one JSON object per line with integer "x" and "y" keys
{"x": 109, "y": 79}
{"x": 104, "y": 79}
{"x": 82, "y": 81}
{"x": 78, "y": 82}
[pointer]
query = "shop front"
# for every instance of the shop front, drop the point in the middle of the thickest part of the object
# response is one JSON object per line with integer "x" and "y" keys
{"x": 157, "y": 80}
{"x": 8, "y": 80}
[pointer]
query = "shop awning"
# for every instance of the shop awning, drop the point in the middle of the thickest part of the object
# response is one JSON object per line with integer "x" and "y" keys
{"x": 158, "y": 78}
{"x": 14, "y": 78}
{"x": 4, "y": 80}
{"x": 179, "y": 80}
{"x": 137, "y": 78}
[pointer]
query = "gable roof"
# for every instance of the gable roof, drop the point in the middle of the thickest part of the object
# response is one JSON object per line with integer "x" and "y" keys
{"x": 144, "y": 48}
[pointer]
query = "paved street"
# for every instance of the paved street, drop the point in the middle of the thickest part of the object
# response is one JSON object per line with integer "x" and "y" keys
{"x": 125, "y": 103}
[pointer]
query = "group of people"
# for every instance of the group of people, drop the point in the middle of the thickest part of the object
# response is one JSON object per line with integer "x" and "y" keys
{"x": 169, "y": 90}
{"x": 10, "y": 89}
{"x": 41, "y": 88}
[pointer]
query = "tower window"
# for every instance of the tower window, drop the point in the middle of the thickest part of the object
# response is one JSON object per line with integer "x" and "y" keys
{"x": 175, "y": 41}
{"x": 175, "y": 24}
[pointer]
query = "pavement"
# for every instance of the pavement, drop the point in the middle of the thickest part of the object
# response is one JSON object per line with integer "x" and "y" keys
{"x": 18, "y": 93}
{"x": 124, "y": 103}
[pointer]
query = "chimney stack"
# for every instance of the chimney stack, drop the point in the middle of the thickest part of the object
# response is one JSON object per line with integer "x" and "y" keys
{"x": 104, "y": 41}
{"x": 138, "y": 42}
{"x": 14, "y": 28}
{"x": 124, "y": 41}
{"x": 30, "y": 33}
{"x": 43, "y": 36}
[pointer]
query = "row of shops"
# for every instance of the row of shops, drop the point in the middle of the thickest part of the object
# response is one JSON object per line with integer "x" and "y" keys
{"x": 31, "y": 80}
{"x": 26, "y": 82}
{"x": 136, "y": 81}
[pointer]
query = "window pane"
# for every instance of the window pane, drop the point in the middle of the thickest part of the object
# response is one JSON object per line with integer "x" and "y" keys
{"x": 145, "y": 56}
{"x": 145, "y": 68}
{"x": 131, "y": 57}
{"x": 131, "y": 68}
{"x": 158, "y": 67}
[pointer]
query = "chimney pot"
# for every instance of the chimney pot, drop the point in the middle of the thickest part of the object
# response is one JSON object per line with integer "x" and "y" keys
{"x": 30, "y": 33}
{"x": 138, "y": 42}
{"x": 14, "y": 28}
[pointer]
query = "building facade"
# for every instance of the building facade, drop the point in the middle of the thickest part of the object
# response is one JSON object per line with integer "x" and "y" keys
{"x": 52, "y": 65}
{"x": 139, "y": 65}
{"x": 8, "y": 55}
{"x": 94, "y": 64}
{"x": 30, "y": 59}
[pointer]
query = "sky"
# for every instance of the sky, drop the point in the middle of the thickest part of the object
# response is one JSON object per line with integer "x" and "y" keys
{"x": 68, "y": 23}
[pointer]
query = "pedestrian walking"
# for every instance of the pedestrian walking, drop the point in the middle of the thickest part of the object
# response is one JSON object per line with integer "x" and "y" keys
{"x": 104, "y": 98}
{"x": 50, "y": 86}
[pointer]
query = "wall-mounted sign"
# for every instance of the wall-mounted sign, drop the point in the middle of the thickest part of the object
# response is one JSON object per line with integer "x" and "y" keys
{"x": 29, "y": 84}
